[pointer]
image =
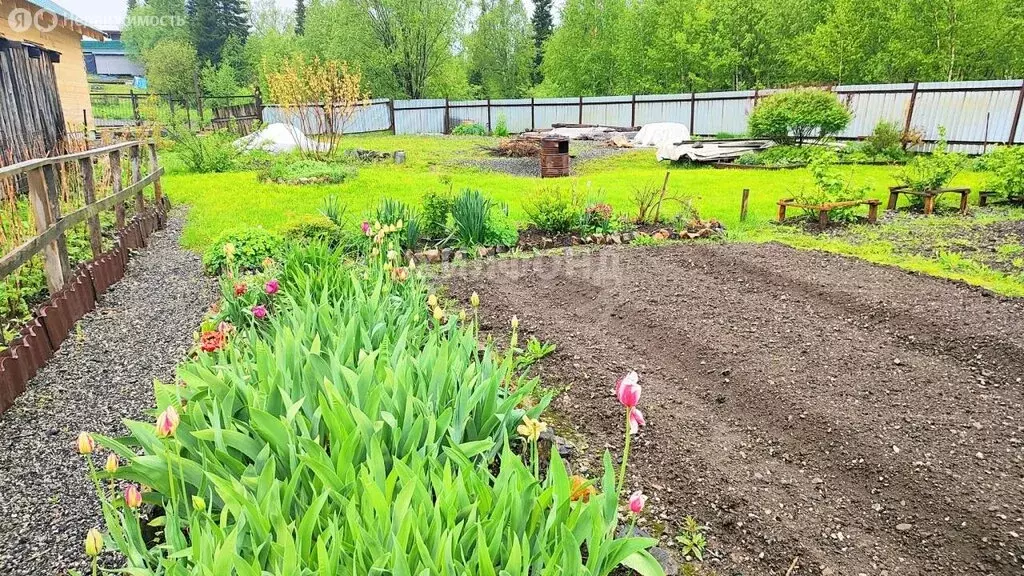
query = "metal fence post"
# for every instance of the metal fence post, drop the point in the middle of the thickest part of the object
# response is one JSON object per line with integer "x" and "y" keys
{"x": 488, "y": 115}
{"x": 632, "y": 111}
{"x": 533, "y": 115}
{"x": 581, "y": 110}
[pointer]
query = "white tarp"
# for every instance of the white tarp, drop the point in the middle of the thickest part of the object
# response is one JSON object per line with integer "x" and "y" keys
{"x": 711, "y": 151}
{"x": 660, "y": 134}
{"x": 278, "y": 138}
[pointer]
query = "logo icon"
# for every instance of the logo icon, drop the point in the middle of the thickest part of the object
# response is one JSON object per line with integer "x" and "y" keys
{"x": 20, "y": 20}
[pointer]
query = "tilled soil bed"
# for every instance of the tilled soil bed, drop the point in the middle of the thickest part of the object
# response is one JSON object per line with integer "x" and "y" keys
{"x": 861, "y": 418}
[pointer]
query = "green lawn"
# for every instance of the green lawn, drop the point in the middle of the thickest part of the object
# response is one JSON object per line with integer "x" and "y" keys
{"x": 222, "y": 202}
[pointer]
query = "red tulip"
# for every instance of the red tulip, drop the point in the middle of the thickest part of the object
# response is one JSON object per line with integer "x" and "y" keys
{"x": 241, "y": 288}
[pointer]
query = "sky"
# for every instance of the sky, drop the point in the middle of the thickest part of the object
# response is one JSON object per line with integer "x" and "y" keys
{"x": 109, "y": 14}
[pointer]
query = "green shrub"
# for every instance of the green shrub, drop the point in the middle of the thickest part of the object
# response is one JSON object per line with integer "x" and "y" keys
{"x": 886, "y": 140}
{"x": 598, "y": 218}
{"x": 321, "y": 229}
{"x": 470, "y": 213}
{"x": 243, "y": 250}
{"x": 1005, "y": 170}
{"x": 501, "y": 230}
{"x": 437, "y": 207}
{"x": 293, "y": 169}
{"x": 797, "y": 116}
{"x": 829, "y": 187}
{"x": 931, "y": 171}
{"x": 473, "y": 129}
{"x": 501, "y": 127}
{"x": 556, "y": 211}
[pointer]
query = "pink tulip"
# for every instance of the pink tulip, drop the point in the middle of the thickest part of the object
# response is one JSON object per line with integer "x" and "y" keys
{"x": 366, "y": 228}
{"x": 636, "y": 420}
{"x": 272, "y": 287}
{"x": 167, "y": 422}
{"x": 627, "y": 389}
{"x": 260, "y": 312}
{"x": 637, "y": 501}
{"x": 132, "y": 496}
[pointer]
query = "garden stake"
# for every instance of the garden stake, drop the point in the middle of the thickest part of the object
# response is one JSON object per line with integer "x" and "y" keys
{"x": 743, "y": 205}
{"x": 664, "y": 188}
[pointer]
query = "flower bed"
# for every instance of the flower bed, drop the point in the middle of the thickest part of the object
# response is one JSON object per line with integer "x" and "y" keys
{"x": 338, "y": 418}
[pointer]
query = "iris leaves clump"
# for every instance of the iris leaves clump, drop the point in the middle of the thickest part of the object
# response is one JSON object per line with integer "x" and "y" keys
{"x": 353, "y": 435}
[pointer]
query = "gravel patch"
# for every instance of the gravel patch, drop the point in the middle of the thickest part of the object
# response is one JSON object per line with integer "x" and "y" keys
{"x": 102, "y": 374}
{"x": 581, "y": 151}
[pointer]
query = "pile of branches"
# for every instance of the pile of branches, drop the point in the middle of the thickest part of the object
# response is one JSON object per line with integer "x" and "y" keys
{"x": 516, "y": 148}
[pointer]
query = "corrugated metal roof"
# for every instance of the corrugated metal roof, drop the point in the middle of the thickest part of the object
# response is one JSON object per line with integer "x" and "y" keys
{"x": 103, "y": 47}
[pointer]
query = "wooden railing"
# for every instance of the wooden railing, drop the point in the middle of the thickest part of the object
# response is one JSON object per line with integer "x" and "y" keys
{"x": 51, "y": 225}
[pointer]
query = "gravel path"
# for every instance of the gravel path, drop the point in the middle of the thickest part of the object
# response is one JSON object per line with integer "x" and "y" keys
{"x": 102, "y": 374}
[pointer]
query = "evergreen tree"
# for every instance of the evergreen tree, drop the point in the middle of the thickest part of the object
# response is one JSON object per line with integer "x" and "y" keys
{"x": 235, "y": 17}
{"x": 300, "y": 17}
{"x": 206, "y": 29}
{"x": 132, "y": 5}
{"x": 542, "y": 26}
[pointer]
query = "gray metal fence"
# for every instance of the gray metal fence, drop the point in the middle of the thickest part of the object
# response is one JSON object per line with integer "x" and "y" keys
{"x": 974, "y": 115}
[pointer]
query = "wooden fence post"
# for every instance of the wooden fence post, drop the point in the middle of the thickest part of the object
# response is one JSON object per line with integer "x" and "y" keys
{"x": 910, "y": 115}
{"x": 391, "y": 114}
{"x": 135, "y": 109}
{"x": 743, "y": 205}
{"x": 447, "y": 118}
{"x": 136, "y": 162}
{"x": 56, "y": 263}
{"x": 158, "y": 191}
{"x": 1016, "y": 115}
{"x": 116, "y": 182}
{"x": 89, "y": 190}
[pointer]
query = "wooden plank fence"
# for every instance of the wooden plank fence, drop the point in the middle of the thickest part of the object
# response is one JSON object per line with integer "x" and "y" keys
{"x": 73, "y": 291}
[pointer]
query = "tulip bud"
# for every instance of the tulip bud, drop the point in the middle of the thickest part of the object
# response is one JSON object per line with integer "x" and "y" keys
{"x": 93, "y": 543}
{"x": 515, "y": 323}
{"x": 112, "y": 465}
{"x": 167, "y": 422}
{"x": 132, "y": 496}
{"x": 432, "y": 301}
{"x": 198, "y": 503}
{"x": 474, "y": 300}
{"x": 462, "y": 315}
{"x": 86, "y": 444}
{"x": 438, "y": 314}
{"x": 637, "y": 501}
